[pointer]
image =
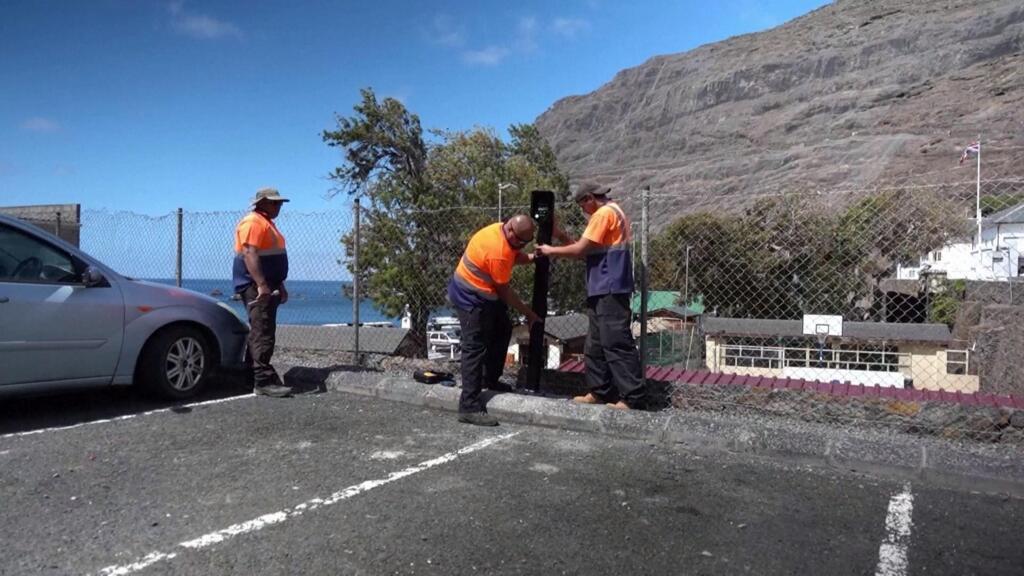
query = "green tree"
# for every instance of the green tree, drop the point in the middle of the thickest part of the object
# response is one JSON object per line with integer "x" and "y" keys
{"x": 786, "y": 256}
{"x": 386, "y": 162}
{"x": 426, "y": 199}
{"x": 990, "y": 204}
{"x": 948, "y": 295}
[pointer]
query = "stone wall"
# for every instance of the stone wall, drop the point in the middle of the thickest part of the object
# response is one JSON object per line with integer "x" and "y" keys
{"x": 1006, "y": 293}
{"x": 999, "y": 353}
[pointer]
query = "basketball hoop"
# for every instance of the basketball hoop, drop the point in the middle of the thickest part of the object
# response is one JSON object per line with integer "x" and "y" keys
{"x": 821, "y": 332}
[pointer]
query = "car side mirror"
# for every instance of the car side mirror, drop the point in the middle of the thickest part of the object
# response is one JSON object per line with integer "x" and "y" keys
{"x": 93, "y": 278}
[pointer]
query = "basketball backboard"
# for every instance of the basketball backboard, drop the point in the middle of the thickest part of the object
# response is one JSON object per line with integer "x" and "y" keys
{"x": 823, "y": 325}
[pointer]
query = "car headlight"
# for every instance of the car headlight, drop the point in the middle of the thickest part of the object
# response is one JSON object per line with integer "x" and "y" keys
{"x": 233, "y": 313}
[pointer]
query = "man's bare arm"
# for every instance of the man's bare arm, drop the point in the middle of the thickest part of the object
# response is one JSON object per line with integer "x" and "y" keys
{"x": 577, "y": 249}
{"x": 509, "y": 296}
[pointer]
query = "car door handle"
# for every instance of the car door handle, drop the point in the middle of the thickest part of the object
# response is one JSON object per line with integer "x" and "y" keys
{"x": 4, "y": 299}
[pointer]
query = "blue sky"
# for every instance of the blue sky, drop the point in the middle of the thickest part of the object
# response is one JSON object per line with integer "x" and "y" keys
{"x": 150, "y": 105}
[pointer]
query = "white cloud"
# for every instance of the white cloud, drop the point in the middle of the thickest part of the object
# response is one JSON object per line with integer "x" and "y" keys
{"x": 490, "y": 56}
{"x": 200, "y": 25}
{"x": 525, "y": 39}
{"x": 526, "y": 35}
{"x": 445, "y": 31}
{"x": 569, "y": 27}
{"x": 41, "y": 125}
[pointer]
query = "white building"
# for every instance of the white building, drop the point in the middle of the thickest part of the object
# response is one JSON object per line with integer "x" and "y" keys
{"x": 1001, "y": 256}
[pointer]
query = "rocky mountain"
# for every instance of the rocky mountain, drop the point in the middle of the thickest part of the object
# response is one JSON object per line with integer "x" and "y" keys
{"x": 850, "y": 95}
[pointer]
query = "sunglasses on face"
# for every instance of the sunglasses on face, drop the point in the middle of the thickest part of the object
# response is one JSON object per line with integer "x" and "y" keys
{"x": 517, "y": 240}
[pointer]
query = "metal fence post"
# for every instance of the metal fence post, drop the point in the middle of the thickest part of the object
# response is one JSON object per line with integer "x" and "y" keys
{"x": 644, "y": 233}
{"x": 177, "y": 259}
{"x": 686, "y": 280}
{"x": 355, "y": 281}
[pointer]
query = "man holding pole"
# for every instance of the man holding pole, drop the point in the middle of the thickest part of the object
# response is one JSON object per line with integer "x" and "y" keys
{"x": 480, "y": 292}
{"x": 611, "y": 358}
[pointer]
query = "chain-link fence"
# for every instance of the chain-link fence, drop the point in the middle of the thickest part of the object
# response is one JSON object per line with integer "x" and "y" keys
{"x": 897, "y": 291}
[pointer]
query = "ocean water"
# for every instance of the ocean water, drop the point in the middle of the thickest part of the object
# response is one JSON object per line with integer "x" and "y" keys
{"x": 309, "y": 302}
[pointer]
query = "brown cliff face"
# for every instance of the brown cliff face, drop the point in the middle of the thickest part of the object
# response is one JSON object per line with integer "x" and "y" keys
{"x": 853, "y": 94}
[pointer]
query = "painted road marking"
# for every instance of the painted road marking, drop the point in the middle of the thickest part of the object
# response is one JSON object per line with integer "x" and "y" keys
{"x": 278, "y": 517}
{"x": 126, "y": 416}
{"x": 892, "y": 554}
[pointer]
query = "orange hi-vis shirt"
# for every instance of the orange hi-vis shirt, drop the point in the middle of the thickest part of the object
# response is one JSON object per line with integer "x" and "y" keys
{"x": 610, "y": 265}
{"x": 487, "y": 262}
{"x": 258, "y": 231}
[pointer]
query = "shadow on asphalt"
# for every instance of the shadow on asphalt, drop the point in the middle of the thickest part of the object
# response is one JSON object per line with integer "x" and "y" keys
{"x": 309, "y": 380}
{"x": 25, "y": 414}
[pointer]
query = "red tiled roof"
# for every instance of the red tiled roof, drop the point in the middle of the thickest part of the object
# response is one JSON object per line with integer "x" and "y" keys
{"x": 705, "y": 378}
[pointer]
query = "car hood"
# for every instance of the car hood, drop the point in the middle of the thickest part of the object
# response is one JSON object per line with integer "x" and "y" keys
{"x": 160, "y": 295}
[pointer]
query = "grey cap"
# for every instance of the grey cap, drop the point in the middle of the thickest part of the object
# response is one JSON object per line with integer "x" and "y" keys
{"x": 268, "y": 194}
{"x": 590, "y": 189}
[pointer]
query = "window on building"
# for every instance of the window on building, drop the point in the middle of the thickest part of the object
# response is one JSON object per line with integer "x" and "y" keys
{"x": 1020, "y": 265}
{"x": 956, "y": 361}
{"x": 937, "y": 256}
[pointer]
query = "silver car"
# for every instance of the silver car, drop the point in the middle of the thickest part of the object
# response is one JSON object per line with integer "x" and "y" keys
{"x": 68, "y": 321}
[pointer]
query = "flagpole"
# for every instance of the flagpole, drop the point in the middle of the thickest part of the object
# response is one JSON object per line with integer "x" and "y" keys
{"x": 978, "y": 198}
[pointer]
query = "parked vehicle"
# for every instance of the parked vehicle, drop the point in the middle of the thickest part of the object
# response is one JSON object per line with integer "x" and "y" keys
{"x": 69, "y": 321}
{"x": 443, "y": 341}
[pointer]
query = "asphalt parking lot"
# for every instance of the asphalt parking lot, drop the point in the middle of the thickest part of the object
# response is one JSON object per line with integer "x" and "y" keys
{"x": 332, "y": 483}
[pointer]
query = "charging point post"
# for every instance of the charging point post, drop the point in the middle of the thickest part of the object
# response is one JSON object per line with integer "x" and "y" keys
{"x": 542, "y": 209}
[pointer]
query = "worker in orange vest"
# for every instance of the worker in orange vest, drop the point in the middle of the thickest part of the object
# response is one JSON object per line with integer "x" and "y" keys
{"x": 259, "y": 271}
{"x": 611, "y": 358}
{"x": 480, "y": 292}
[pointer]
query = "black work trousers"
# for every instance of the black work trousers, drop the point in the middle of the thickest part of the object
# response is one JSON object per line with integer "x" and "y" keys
{"x": 610, "y": 356}
{"x": 486, "y": 332}
{"x": 262, "y": 337}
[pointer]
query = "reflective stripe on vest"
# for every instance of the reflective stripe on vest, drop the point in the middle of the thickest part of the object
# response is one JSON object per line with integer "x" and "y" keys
{"x": 476, "y": 271}
{"x": 466, "y": 285}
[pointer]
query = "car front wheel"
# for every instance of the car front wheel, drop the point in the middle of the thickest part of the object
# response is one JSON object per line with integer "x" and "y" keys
{"x": 177, "y": 363}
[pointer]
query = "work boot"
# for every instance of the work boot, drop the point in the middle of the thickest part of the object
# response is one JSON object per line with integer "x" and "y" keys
{"x": 478, "y": 418}
{"x": 272, "y": 390}
{"x": 620, "y": 405}
{"x": 589, "y": 398}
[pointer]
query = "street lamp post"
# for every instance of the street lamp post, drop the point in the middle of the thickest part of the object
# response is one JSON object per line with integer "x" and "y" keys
{"x": 501, "y": 188}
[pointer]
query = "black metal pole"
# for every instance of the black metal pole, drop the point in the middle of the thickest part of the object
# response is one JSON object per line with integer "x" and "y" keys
{"x": 355, "y": 282}
{"x": 542, "y": 208}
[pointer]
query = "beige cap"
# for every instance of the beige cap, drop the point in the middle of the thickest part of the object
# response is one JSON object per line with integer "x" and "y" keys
{"x": 268, "y": 194}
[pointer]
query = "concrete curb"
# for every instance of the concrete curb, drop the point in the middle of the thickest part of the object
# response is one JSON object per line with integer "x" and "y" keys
{"x": 973, "y": 467}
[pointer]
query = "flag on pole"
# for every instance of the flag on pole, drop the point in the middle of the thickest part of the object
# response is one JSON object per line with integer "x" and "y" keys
{"x": 972, "y": 149}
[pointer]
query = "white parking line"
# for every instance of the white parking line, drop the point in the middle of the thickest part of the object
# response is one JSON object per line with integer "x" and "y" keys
{"x": 278, "y": 517}
{"x": 892, "y": 554}
{"x": 126, "y": 416}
